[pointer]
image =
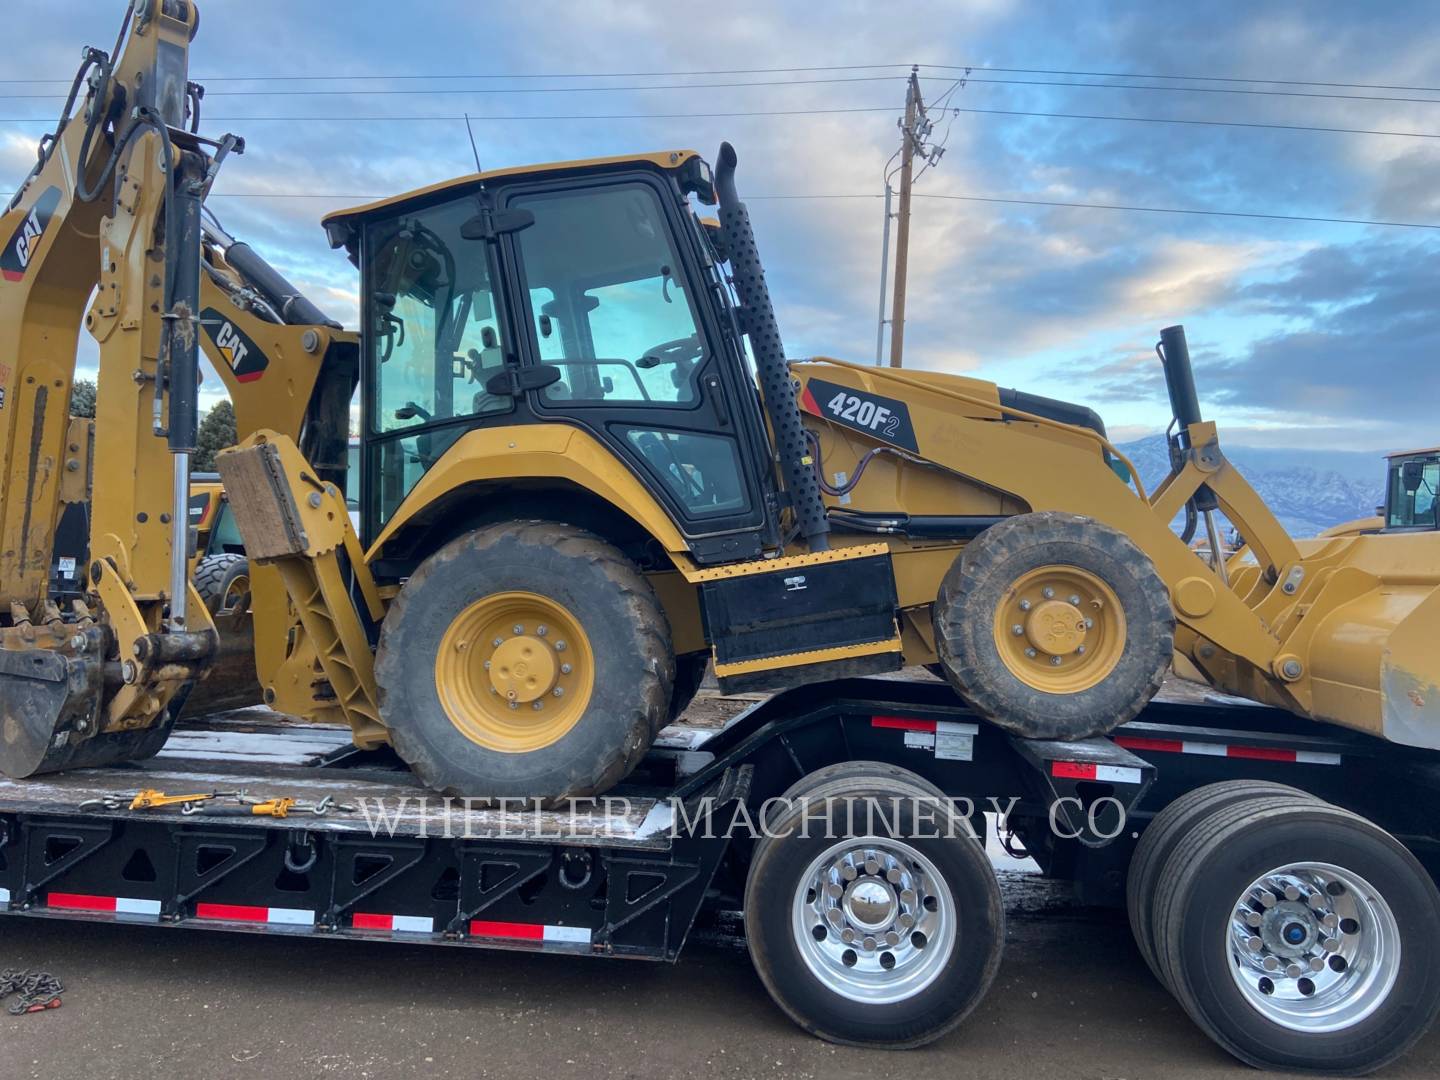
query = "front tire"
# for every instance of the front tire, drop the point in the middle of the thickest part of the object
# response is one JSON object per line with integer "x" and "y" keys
{"x": 525, "y": 660}
{"x": 1054, "y": 626}
{"x": 873, "y": 918}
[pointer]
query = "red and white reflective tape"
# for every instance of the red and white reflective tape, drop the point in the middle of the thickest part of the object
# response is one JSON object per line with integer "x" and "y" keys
{"x": 568, "y": 935}
{"x": 1208, "y": 749}
{"x": 1110, "y": 774}
{"x": 113, "y": 905}
{"x": 275, "y": 916}
{"x": 393, "y": 924}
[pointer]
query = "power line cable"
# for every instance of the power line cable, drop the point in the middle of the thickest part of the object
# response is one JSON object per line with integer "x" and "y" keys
{"x": 1005, "y": 200}
{"x": 457, "y": 117}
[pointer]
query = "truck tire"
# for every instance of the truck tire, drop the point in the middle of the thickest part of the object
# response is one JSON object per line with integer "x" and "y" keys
{"x": 883, "y": 930}
{"x": 1338, "y": 971}
{"x": 223, "y": 581}
{"x": 1167, "y": 829}
{"x": 847, "y": 770}
{"x": 524, "y": 660}
{"x": 1054, "y": 626}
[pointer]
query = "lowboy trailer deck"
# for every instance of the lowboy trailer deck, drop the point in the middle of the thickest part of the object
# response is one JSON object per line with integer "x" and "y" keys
{"x": 1279, "y": 875}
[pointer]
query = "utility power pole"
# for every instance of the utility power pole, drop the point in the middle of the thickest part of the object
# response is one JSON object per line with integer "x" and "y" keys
{"x": 914, "y": 110}
{"x": 914, "y": 134}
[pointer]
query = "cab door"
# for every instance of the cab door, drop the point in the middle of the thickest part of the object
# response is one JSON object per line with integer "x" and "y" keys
{"x": 609, "y": 294}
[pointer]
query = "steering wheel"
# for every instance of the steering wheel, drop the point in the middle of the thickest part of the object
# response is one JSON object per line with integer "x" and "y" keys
{"x": 680, "y": 351}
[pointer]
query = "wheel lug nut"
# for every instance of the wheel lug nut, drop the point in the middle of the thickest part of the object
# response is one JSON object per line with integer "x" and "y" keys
{"x": 848, "y": 872}
{"x": 1332, "y": 944}
{"x": 559, "y": 691}
{"x": 1255, "y": 944}
{"x": 514, "y": 704}
{"x": 892, "y": 938}
{"x": 908, "y": 897}
{"x": 1292, "y": 893}
{"x": 1316, "y": 964}
{"x": 1048, "y": 593}
{"x": 1074, "y": 600}
{"x": 537, "y": 706}
{"x": 1252, "y": 918}
{"x": 1330, "y": 921}
{"x": 1267, "y": 899}
{"x": 1080, "y": 650}
{"x": 893, "y": 876}
{"x": 1270, "y": 963}
{"x": 1054, "y": 661}
{"x": 559, "y": 646}
{"x": 847, "y": 936}
{"x": 835, "y": 917}
{"x": 487, "y": 665}
{"x": 872, "y": 867}
{"x": 497, "y": 643}
{"x": 1031, "y": 653}
{"x": 834, "y": 891}
{"x": 1017, "y": 630}
{"x": 868, "y": 944}
{"x": 1294, "y": 971}
{"x": 1024, "y": 605}
{"x": 565, "y": 669}
{"x": 906, "y": 921}
{"x": 518, "y": 629}
{"x": 542, "y": 630}
{"x": 1089, "y": 624}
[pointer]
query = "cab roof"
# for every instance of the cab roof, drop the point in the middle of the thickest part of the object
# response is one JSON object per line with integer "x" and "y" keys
{"x": 665, "y": 159}
{"x": 1413, "y": 453}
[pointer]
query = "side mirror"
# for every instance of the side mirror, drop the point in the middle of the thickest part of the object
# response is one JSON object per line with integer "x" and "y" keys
{"x": 1412, "y": 475}
{"x": 489, "y": 224}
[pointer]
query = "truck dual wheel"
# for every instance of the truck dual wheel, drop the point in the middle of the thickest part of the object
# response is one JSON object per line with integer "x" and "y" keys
{"x": 524, "y": 660}
{"x": 223, "y": 581}
{"x": 1172, "y": 825}
{"x": 1054, "y": 626}
{"x": 872, "y": 918}
{"x": 1299, "y": 936}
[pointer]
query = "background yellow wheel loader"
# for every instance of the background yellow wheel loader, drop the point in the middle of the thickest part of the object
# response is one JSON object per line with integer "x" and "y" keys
{"x": 586, "y": 468}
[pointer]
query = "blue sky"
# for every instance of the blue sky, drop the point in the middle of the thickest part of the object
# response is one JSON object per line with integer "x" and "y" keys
{"x": 1305, "y": 334}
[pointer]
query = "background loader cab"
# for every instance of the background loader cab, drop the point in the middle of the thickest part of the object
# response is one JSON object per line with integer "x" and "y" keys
{"x": 1411, "y": 488}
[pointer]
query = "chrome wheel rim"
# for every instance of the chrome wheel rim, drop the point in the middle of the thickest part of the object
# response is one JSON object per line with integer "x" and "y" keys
{"x": 873, "y": 920}
{"x": 1313, "y": 947}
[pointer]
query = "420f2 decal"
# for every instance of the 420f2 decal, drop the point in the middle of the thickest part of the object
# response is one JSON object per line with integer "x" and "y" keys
{"x": 880, "y": 417}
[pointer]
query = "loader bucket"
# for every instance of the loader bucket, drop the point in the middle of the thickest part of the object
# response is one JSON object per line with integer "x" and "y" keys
{"x": 50, "y": 706}
{"x": 1363, "y": 652}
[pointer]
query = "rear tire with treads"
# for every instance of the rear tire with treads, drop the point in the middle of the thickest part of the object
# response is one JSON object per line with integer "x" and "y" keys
{"x": 524, "y": 660}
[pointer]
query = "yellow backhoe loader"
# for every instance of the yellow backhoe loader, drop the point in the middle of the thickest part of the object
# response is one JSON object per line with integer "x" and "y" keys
{"x": 588, "y": 468}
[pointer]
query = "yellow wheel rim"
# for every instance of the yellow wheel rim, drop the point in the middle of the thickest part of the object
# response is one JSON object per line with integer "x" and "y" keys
{"x": 1060, "y": 629}
{"x": 234, "y": 593}
{"x": 514, "y": 672}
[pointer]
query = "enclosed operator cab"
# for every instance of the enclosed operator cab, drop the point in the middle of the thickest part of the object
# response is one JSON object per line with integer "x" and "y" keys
{"x": 1412, "y": 479}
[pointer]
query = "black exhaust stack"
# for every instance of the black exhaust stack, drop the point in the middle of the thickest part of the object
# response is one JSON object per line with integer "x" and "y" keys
{"x": 1184, "y": 402}
{"x": 776, "y": 385}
